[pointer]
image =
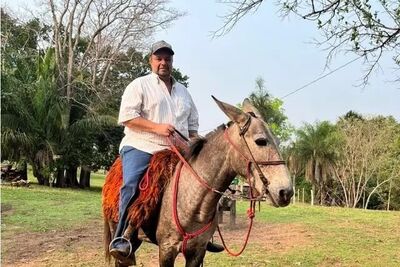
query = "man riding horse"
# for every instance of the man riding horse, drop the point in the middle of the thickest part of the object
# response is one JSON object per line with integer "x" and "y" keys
{"x": 152, "y": 108}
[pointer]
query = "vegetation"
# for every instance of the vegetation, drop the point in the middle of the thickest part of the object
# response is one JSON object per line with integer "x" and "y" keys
{"x": 272, "y": 111}
{"x": 51, "y": 93}
{"x": 313, "y": 235}
{"x": 62, "y": 78}
{"x": 353, "y": 163}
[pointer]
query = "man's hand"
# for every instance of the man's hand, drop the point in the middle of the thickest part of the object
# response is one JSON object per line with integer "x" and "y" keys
{"x": 142, "y": 124}
{"x": 164, "y": 129}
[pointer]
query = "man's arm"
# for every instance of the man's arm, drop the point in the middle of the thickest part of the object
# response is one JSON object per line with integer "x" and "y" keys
{"x": 145, "y": 125}
{"x": 193, "y": 120}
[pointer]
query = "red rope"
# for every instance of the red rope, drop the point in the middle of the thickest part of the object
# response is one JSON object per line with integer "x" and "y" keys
{"x": 144, "y": 183}
{"x": 198, "y": 178}
{"x": 250, "y": 215}
{"x": 188, "y": 236}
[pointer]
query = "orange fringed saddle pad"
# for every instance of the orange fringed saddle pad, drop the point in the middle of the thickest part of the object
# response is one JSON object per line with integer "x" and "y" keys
{"x": 159, "y": 173}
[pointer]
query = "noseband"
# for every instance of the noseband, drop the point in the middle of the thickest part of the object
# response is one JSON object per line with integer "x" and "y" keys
{"x": 242, "y": 131}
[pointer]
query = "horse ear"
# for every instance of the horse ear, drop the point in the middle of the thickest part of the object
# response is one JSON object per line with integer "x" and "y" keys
{"x": 233, "y": 113}
{"x": 248, "y": 107}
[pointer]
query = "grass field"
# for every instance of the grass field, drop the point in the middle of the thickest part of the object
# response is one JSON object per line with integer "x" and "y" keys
{"x": 298, "y": 235}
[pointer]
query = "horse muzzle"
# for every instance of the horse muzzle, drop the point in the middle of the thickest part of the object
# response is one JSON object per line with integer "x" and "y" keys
{"x": 282, "y": 197}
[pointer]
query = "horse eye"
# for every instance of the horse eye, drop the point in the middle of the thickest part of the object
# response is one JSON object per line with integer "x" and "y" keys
{"x": 261, "y": 141}
{"x": 252, "y": 114}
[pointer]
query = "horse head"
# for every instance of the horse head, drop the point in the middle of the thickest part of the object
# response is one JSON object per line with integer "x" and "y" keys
{"x": 255, "y": 153}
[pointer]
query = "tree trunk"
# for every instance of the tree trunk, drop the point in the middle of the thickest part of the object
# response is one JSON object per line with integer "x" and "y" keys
{"x": 60, "y": 178}
{"x": 42, "y": 179}
{"x": 390, "y": 191}
{"x": 71, "y": 178}
{"x": 84, "y": 178}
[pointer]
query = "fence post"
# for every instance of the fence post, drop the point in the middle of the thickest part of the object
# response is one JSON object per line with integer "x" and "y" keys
{"x": 294, "y": 195}
{"x": 220, "y": 215}
{"x": 232, "y": 218}
{"x": 303, "y": 195}
{"x": 312, "y": 197}
{"x": 298, "y": 194}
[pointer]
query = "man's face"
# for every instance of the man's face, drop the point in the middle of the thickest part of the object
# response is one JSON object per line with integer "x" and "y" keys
{"x": 161, "y": 63}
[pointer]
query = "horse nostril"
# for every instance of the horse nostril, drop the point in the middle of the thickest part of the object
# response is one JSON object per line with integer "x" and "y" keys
{"x": 286, "y": 194}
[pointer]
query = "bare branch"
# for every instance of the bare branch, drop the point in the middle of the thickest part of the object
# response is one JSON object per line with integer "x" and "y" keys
{"x": 357, "y": 26}
{"x": 238, "y": 10}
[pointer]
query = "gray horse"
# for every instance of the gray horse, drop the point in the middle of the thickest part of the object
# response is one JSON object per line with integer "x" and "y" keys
{"x": 245, "y": 147}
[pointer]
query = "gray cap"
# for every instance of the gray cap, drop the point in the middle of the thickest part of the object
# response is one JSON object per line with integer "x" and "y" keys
{"x": 161, "y": 45}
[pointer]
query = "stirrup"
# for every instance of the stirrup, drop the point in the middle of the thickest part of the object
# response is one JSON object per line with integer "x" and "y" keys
{"x": 121, "y": 238}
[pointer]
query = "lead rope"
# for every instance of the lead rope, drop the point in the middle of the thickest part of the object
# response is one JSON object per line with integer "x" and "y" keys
{"x": 186, "y": 236}
{"x": 250, "y": 215}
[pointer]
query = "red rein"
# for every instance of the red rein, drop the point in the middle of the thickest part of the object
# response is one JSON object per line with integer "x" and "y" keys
{"x": 188, "y": 236}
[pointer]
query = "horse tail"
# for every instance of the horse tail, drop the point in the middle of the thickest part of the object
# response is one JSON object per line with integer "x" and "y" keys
{"x": 107, "y": 240}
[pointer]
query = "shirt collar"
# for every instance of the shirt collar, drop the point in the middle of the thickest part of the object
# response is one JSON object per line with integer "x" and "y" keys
{"x": 155, "y": 76}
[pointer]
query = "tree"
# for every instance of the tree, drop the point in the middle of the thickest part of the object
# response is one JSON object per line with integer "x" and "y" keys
{"x": 94, "y": 91}
{"x": 369, "y": 160}
{"x": 294, "y": 163}
{"x": 316, "y": 147}
{"x": 271, "y": 110}
{"x": 88, "y": 36}
{"x": 32, "y": 123}
{"x": 368, "y": 29}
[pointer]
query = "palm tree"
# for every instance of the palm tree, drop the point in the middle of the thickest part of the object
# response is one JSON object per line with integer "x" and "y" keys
{"x": 271, "y": 110}
{"x": 32, "y": 120}
{"x": 316, "y": 149}
{"x": 294, "y": 163}
{"x": 36, "y": 126}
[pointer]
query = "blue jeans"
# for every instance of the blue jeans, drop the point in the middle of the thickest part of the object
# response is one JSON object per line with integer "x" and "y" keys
{"x": 134, "y": 165}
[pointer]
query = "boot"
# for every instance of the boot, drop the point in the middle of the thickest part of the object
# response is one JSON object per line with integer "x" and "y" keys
{"x": 213, "y": 247}
{"x": 121, "y": 247}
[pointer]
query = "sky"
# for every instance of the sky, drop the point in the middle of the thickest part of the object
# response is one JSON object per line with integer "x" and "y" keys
{"x": 279, "y": 51}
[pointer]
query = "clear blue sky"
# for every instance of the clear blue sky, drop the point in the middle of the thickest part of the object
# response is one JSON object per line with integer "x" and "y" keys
{"x": 279, "y": 51}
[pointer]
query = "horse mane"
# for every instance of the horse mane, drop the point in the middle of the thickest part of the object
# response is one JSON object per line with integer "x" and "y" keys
{"x": 198, "y": 143}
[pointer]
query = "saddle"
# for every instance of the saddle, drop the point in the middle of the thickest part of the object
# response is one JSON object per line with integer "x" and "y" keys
{"x": 161, "y": 168}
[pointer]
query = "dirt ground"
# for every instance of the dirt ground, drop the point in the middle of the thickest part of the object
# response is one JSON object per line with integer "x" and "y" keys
{"x": 83, "y": 246}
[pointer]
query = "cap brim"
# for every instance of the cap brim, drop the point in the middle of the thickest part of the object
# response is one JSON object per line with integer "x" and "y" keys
{"x": 169, "y": 50}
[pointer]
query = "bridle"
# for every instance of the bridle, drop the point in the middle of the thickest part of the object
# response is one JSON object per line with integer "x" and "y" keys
{"x": 252, "y": 161}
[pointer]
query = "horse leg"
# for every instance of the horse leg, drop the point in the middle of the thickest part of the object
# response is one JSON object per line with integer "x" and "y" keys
{"x": 167, "y": 256}
{"x": 194, "y": 257}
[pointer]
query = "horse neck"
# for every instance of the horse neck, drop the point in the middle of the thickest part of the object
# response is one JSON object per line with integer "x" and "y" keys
{"x": 212, "y": 164}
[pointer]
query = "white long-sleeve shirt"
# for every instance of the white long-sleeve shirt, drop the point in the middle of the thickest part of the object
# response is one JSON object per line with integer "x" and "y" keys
{"x": 148, "y": 97}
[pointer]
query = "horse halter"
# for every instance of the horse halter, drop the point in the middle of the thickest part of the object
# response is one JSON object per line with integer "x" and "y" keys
{"x": 252, "y": 160}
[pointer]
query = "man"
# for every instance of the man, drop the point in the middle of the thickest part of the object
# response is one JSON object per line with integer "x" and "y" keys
{"x": 152, "y": 107}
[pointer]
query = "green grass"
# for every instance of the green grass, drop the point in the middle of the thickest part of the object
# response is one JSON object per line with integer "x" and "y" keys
{"x": 340, "y": 236}
{"x": 41, "y": 208}
{"x": 335, "y": 236}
